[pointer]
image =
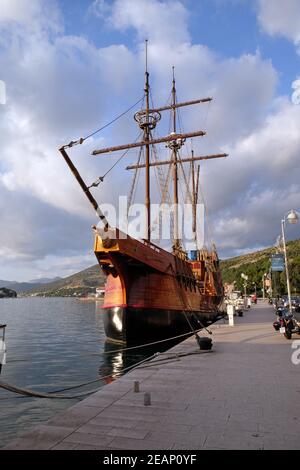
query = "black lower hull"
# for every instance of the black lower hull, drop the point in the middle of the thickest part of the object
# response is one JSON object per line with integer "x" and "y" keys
{"x": 133, "y": 326}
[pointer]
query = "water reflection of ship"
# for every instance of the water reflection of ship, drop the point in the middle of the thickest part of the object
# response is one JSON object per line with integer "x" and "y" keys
{"x": 116, "y": 359}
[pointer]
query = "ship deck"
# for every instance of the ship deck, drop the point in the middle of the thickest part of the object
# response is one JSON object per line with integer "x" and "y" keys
{"x": 244, "y": 394}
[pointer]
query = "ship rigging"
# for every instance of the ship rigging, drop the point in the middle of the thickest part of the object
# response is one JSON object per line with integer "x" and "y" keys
{"x": 151, "y": 292}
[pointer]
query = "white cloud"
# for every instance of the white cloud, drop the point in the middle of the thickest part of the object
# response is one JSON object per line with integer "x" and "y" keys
{"x": 296, "y": 93}
{"x": 264, "y": 183}
{"x": 100, "y": 8}
{"x": 20, "y": 11}
{"x": 278, "y": 17}
{"x": 158, "y": 21}
{"x": 282, "y": 18}
{"x": 34, "y": 16}
{"x": 57, "y": 91}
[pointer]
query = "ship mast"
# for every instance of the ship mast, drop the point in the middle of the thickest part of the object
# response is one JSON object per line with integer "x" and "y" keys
{"x": 194, "y": 227}
{"x": 174, "y": 147}
{"x": 195, "y": 192}
{"x": 147, "y": 148}
{"x": 147, "y": 120}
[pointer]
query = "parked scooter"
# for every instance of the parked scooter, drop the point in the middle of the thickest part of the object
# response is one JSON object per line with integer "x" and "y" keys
{"x": 278, "y": 323}
{"x": 287, "y": 323}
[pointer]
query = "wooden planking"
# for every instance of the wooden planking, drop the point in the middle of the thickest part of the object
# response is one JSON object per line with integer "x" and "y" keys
{"x": 143, "y": 252}
{"x": 147, "y": 277}
{"x": 157, "y": 291}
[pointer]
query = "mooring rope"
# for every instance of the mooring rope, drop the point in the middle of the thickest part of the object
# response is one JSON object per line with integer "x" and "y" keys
{"x": 175, "y": 358}
{"x": 25, "y": 392}
{"x": 32, "y": 393}
{"x": 53, "y": 395}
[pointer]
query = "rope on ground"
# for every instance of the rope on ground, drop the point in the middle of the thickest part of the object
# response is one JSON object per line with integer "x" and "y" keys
{"x": 175, "y": 358}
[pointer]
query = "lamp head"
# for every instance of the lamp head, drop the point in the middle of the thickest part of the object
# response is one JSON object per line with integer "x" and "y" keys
{"x": 292, "y": 217}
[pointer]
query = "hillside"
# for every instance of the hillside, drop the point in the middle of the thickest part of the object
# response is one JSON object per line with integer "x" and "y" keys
{"x": 252, "y": 264}
{"x": 83, "y": 282}
{"x": 256, "y": 264}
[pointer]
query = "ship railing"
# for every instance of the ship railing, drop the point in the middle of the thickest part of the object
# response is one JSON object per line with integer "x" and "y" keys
{"x": 151, "y": 245}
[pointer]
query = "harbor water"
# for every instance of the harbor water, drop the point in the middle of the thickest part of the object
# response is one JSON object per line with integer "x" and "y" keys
{"x": 53, "y": 343}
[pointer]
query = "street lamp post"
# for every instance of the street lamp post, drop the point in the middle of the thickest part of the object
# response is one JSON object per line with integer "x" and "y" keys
{"x": 292, "y": 217}
{"x": 263, "y": 284}
{"x": 245, "y": 288}
{"x": 271, "y": 283}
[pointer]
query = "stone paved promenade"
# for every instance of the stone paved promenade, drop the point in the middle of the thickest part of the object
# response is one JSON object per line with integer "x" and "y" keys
{"x": 245, "y": 394}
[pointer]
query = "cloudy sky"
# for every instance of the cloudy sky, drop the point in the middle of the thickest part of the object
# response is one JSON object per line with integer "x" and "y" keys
{"x": 71, "y": 66}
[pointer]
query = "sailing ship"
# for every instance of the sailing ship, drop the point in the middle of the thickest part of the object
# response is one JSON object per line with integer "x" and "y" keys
{"x": 151, "y": 293}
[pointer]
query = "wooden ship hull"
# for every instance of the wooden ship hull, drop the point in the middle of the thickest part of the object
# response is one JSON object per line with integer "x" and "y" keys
{"x": 152, "y": 294}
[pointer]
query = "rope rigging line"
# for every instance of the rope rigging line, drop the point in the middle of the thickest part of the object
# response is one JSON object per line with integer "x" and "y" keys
{"x": 134, "y": 181}
{"x": 101, "y": 178}
{"x": 146, "y": 344}
{"x": 136, "y": 174}
{"x": 138, "y": 178}
{"x": 189, "y": 178}
{"x": 83, "y": 139}
{"x": 160, "y": 173}
{"x": 189, "y": 309}
{"x": 206, "y": 211}
{"x": 182, "y": 194}
{"x": 163, "y": 181}
{"x": 186, "y": 181}
{"x": 161, "y": 177}
{"x": 209, "y": 228}
{"x": 166, "y": 198}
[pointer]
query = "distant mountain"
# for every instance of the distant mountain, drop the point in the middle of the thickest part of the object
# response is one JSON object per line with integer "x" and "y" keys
{"x": 45, "y": 280}
{"x": 21, "y": 287}
{"x": 7, "y": 283}
{"x": 83, "y": 282}
{"x": 18, "y": 286}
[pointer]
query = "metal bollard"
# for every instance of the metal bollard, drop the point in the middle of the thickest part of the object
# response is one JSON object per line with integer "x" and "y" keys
{"x": 136, "y": 386}
{"x": 147, "y": 399}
